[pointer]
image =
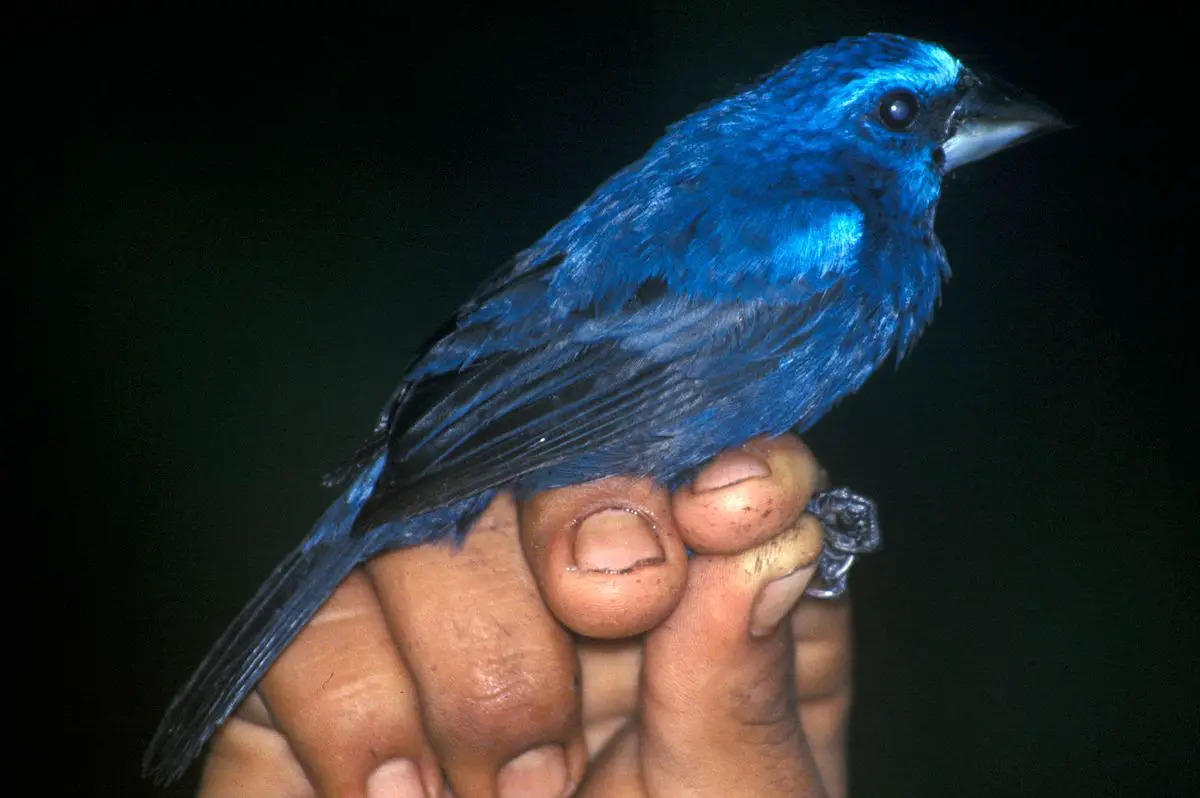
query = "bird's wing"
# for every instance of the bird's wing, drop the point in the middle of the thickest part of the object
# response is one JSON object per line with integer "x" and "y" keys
{"x": 620, "y": 369}
{"x": 512, "y": 413}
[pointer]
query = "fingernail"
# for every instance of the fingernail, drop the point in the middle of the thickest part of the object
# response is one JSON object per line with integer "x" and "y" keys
{"x": 615, "y": 541}
{"x": 776, "y": 601}
{"x": 729, "y": 469}
{"x": 540, "y": 773}
{"x": 396, "y": 778}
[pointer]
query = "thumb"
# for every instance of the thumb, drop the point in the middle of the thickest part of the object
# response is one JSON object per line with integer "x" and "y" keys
{"x": 718, "y": 713}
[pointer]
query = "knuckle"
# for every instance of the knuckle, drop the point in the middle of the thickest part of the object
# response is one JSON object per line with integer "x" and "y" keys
{"x": 509, "y": 694}
{"x": 822, "y": 670}
{"x": 355, "y": 713}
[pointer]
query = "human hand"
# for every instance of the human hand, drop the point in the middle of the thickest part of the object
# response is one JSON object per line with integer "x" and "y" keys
{"x": 429, "y": 661}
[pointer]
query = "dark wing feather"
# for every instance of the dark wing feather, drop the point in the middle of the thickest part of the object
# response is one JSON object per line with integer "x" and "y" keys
{"x": 411, "y": 397}
{"x": 461, "y": 433}
{"x": 517, "y": 387}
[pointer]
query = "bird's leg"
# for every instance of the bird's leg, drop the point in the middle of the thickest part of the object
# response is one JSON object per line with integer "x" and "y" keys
{"x": 851, "y": 524}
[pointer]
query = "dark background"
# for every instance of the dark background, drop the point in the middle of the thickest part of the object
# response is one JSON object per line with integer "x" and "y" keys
{"x": 247, "y": 221}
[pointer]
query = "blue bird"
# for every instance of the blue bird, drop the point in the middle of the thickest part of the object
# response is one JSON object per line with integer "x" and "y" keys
{"x": 751, "y": 270}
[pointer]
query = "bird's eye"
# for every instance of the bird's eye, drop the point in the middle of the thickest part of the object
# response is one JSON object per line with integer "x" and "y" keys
{"x": 898, "y": 110}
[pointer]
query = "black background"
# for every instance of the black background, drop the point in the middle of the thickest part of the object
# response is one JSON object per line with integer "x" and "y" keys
{"x": 247, "y": 220}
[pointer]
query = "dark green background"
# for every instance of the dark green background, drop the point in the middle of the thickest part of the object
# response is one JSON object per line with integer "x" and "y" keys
{"x": 248, "y": 220}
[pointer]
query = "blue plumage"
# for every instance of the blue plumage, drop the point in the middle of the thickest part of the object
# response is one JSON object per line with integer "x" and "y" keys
{"x": 750, "y": 271}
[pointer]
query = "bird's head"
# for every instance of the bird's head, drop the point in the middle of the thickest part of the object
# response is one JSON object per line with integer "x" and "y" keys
{"x": 896, "y": 106}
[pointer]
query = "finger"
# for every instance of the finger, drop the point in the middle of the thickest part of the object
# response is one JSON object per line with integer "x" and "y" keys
{"x": 496, "y": 673}
{"x": 611, "y": 670}
{"x": 822, "y": 633}
{"x": 346, "y": 703}
{"x": 347, "y": 651}
{"x": 606, "y": 555}
{"x": 719, "y": 683}
{"x": 249, "y": 756}
{"x": 770, "y": 478}
{"x": 746, "y": 496}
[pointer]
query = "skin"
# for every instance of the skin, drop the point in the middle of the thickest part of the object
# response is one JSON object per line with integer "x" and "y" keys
{"x": 517, "y": 671}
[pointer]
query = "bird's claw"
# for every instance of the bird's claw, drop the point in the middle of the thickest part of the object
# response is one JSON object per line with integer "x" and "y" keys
{"x": 851, "y": 525}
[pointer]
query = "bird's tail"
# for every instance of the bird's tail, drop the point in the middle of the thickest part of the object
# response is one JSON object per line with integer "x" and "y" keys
{"x": 286, "y": 601}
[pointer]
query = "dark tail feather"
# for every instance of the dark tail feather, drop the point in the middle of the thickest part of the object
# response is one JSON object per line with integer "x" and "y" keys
{"x": 286, "y": 601}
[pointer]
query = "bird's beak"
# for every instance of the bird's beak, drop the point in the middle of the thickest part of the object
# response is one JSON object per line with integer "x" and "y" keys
{"x": 993, "y": 116}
